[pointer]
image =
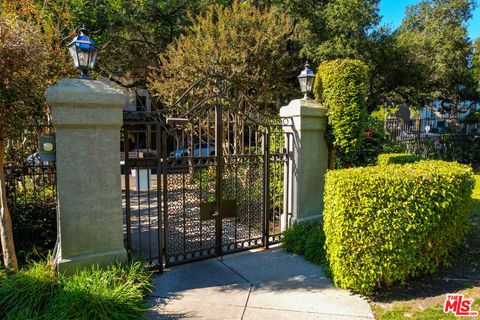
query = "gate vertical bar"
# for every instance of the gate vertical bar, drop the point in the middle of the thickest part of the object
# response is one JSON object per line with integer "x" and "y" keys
{"x": 127, "y": 191}
{"x": 218, "y": 190}
{"x": 266, "y": 186}
{"x": 160, "y": 171}
{"x": 286, "y": 182}
{"x": 165, "y": 193}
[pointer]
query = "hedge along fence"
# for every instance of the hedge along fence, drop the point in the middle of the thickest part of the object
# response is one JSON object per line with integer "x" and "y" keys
{"x": 341, "y": 85}
{"x": 397, "y": 158}
{"x": 385, "y": 224}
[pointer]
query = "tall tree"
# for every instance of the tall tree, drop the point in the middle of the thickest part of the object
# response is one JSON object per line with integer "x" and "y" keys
{"x": 242, "y": 44}
{"x": 20, "y": 52}
{"x": 132, "y": 33}
{"x": 476, "y": 65}
{"x": 330, "y": 29}
{"x": 435, "y": 36}
{"x": 32, "y": 55}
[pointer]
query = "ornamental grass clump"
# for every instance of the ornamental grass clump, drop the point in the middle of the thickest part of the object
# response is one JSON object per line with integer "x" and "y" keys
{"x": 27, "y": 294}
{"x": 386, "y": 224}
{"x": 114, "y": 293}
{"x": 37, "y": 292}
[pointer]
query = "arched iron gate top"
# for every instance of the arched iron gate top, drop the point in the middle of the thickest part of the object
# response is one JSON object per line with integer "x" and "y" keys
{"x": 220, "y": 90}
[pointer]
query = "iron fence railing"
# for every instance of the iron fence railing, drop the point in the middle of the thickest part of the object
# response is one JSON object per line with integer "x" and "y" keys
{"x": 31, "y": 192}
{"x": 399, "y": 129}
{"x": 448, "y": 139}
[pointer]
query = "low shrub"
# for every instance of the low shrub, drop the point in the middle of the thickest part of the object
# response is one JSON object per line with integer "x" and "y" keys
{"x": 315, "y": 247}
{"x": 37, "y": 292}
{"x": 385, "y": 224}
{"x": 294, "y": 239}
{"x": 308, "y": 239}
{"x": 396, "y": 158}
{"x": 372, "y": 144}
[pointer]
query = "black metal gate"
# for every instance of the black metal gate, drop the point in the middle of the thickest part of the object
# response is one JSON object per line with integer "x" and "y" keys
{"x": 208, "y": 183}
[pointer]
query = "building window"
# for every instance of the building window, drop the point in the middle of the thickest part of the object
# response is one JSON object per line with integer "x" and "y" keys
{"x": 141, "y": 103}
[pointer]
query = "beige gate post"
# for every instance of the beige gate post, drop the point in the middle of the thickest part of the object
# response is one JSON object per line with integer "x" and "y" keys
{"x": 87, "y": 117}
{"x": 308, "y": 160}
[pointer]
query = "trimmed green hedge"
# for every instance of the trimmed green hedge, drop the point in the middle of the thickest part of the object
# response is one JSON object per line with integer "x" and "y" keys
{"x": 397, "y": 158}
{"x": 341, "y": 85}
{"x": 385, "y": 224}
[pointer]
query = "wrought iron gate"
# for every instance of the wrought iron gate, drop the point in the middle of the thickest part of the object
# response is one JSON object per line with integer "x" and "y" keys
{"x": 202, "y": 185}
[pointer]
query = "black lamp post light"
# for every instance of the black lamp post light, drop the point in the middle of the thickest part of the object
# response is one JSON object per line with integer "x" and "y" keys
{"x": 305, "y": 79}
{"x": 83, "y": 52}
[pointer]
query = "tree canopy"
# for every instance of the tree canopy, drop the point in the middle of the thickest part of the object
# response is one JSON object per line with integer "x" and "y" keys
{"x": 32, "y": 56}
{"x": 244, "y": 45}
{"x": 132, "y": 33}
{"x": 434, "y": 36}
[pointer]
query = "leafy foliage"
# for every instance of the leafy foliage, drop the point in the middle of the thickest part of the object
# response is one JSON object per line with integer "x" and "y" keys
{"x": 396, "y": 158}
{"x": 131, "y": 33}
{"x": 294, "y": 239}
{"x": 20, "y": 50}
{"x": 434, "y": 34}
{"x": 307, "y": 238}
{"x": 31, "y": 56}
{"x": 374, "y": 141}
{"x": 341, "y": 86}
{"x": 242, "y": 44}
{"x": 385, "y": 224}
{"x": 473, "y": 116}
{"x": 27, "y": 294}
{"x": 315, "y": 247}
{"x": 37, "y": 292}
{"x": 476, "y": 64}
{"x": 449, "y": 147}
{"x": 34, "y": 222}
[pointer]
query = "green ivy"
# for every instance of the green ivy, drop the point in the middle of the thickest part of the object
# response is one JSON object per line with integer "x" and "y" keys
{"x": 385, "y": 224}
{"x": 397, "y": 158}
{"x": 341, "y": 85}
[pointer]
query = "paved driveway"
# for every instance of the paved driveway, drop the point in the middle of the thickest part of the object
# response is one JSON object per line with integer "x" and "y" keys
{"x": 259, "y": 284}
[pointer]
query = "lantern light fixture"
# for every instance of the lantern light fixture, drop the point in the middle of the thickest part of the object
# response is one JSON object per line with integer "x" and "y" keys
{"x": 306, "y": 79}
{"x": 84, "y": 53}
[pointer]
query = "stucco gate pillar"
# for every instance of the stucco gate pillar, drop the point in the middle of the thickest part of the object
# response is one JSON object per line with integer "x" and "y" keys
{"x": 87, "y": 117}
{"x": 308, "y": 159}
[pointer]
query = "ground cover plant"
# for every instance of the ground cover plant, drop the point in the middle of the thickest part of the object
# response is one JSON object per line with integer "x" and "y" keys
{"x": 37, "y": 292}
{"x": 387, "y": 224}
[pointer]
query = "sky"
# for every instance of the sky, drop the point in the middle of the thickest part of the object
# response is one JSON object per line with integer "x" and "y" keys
{"x": 393, "y": 11}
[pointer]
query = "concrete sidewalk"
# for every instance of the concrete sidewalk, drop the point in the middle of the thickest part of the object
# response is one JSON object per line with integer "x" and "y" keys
{"x": 264, "y": 284}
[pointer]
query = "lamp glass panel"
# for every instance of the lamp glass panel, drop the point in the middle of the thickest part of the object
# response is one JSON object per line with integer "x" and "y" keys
{"x": 303, "y": 84}
{"x": 93, "y": 57}
{"x": 73, "y": 53}
{"x": 83, "y": 56}
{"x": 309, "y": 84}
